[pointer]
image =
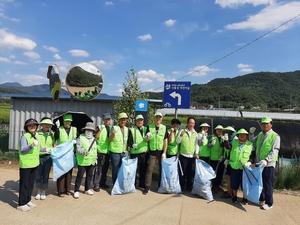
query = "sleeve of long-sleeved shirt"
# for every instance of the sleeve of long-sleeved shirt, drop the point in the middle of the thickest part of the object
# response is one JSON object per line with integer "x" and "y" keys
{"x": 179, "y": 138}
{"x": 130, "y": 139}
{"x": 275, "y": 149}
{"x": 24, "y": 145}
{"x": 196, "y": 144}
{"x": 56, "y": 134}
{"x": 79, "y": 149}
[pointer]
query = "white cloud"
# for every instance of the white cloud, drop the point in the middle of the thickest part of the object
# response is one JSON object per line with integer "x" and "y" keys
{"x": 50, "y": 48}
{"x": 5, "y": 60}
{"x": 79, "y": 53}
{"x": 43, "y": 69}
{"x": 28, "y": 80}
{"x": 269, "y": 18}
{"x": 145, "y": 37}
{"x": 155, "y": 90}
{"x": 63, "y": 66}
{"x": 7, "y": 72}
{"x": 236, "y": 3}
{"x": 8, "y": 18}
{"x": 170, "y": 22}
{"x": 200, "y": 71}
{"x": 20, "y": 63}
{"x": 109, "y": 3}
{"x": 242, "y": 66}
{"x": 102, "y": 64}
{"x": 151, "y": 74}
{"x": 32, "y": 55}
{"x": 178, "y": 72}
{"x": 57, "y": 56}
{"x": 12, "y": 56}
{"x": 119, "y": 85}
{"x": 119, "y": 91}
{"x": 110, "y": 85}
{"x": 188, "y": 28}
{"x": 245, "y": 68}
{"x": 144, "y": 80}
{"x": 9, "y": 40}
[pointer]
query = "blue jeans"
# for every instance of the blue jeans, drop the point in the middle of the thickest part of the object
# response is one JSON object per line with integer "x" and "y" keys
{"x": 42, "y": 172}
{"x": 268, "y": 177}
{"x": 116, "y": 161}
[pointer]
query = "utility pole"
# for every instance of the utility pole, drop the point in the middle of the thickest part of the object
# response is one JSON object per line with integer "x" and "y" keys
{"x": 290, "y": 103}
{"x": 219, "y": 103}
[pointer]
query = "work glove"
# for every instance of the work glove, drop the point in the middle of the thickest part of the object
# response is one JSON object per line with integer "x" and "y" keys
{"x": 101, "y": 127}
{"x": 172, "y": 130}
{"x": 226, "y": 163}
{"x": 221, "y": 158}
{"x": 149, "y": 134}
{"x": 74, "y": 142}
{"x": 252, "y": 130}
{"x": 127, "y": 155}
{"x": 212, "y": 143}
{"x": 116, "y": 129}
{"x": 57, "y": 123}
{"x": 226, "y": 137}
{"x": 163, "y": 156}
{"x": 263, "y": 162}
{"x": 135, "y": 146}
{"x": 35, "y": 143}
{"x": 86, "y": 153}
{"x": 247, "y": 164}
{"x": 200, "y": 136}
{"x": 182, "y": 133}
{"x": 48, "y": 149}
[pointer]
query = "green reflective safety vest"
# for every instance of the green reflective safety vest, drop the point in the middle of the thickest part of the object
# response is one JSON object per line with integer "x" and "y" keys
{"x": 31, "y": 158}
{"x": 267, "y": 145}
{"x": 173, "y": 147}
{"x": 188, "y": 144}
{"x": 45, "y": 141}
{"x": 216, "y": 151}
{"x": 102, "y": 141}
{"x": 157, "y": 139}
{"x": 139, "y": 140}
{"x": 64, "y": 137}
{"x": 239, "y": 156}
{"x": 91, "y": 158}
{"x": 204, "y": 149}
{"x": 118, "y": 145}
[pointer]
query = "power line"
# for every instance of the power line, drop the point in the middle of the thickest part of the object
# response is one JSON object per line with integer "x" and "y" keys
{"x": 244, "y": 46}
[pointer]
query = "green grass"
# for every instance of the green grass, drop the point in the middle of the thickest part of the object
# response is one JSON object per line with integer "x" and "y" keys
{"x": 288, "y": 177}
{"x": 4, "y": 113}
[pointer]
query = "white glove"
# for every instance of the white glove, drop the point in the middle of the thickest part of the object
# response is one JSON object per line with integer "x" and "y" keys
{"x": 226, "y": 163}
{"x": 252, "y": 130}
{"x": 182, "y": 133}
{"x": 116, "y": 129}
{"x": 57, "y": 123}
{"x": 35, "y": 143}
{"x": 221, "y": 158}
{"x": 102, "y": 126}
{"x": 163, "y": 156}
{"x": 200, "y": 136}
{"x": 247, "y": 164}
{"x": 172, "y": 129}
{"x": 263, "y": 163}
{"x": 225, "y": 137}
{"x": 127, "y": 154}
{"x": 213, "y": 142}
{"x": 86, "y": 153}
{"x": 205, "y": 134}
{"x": 48, "y": 149}
{"x": 149, "y": 134}
{"x": 74, "y": 142}
{"x": 135, "y": 146}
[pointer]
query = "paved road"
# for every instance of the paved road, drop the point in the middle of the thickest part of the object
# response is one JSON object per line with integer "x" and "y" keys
{"x": 136, "y": 208}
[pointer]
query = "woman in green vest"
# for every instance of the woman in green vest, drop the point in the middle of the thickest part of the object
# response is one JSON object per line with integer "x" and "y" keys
{"x": 86, "y": 149}
{"x": 173, "y": 147}
{"x": 240, "y": 154}
{"x": 46, "y": 141}
{"x": 29, "y": 161}
{"x": 204, "y": 150}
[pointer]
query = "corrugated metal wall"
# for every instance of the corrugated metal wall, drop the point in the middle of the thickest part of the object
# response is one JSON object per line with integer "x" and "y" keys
{"x": 25, "y": 108}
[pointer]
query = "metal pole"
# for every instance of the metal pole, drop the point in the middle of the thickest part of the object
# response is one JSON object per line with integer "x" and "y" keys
{"x": 176, "y": 113}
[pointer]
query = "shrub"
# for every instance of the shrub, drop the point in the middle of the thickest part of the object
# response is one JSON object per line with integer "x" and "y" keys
{"x": 288, "y": 177}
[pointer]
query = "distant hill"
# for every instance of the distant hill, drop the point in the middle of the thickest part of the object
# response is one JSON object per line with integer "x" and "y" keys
{"x": 263, "y": 89}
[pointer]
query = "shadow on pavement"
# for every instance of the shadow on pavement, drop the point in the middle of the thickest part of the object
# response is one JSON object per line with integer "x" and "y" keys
{"x": 9, "y": 192}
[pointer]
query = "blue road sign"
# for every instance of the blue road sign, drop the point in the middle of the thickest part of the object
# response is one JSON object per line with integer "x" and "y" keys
{"x": 141, "y": 105}
{"x": 177, "y": 94}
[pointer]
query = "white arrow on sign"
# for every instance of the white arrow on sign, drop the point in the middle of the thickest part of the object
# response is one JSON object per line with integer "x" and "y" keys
{"x": 174, "y": 95}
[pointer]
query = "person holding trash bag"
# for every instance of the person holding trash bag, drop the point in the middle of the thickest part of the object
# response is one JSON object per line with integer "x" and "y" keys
{"x": 102, "y": 136}
{"x": 173, "y": 146}
{"x": 29, "y": 161}
{"x": 139, "y": 148}
{"x": 46, "y": 142}
{"x": 157, "y": 136}
{"x": 240, "y": 153}
{"x": 204, "y": 150}
{"x": 86, "y": 149}
{"x": 118, "y": 144}
{"x": 266, "y": 145}
{"x": 188, "y": 140}
{"x": 64, "y": 134}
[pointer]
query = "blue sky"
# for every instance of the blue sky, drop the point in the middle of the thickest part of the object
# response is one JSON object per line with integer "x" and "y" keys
{"x": 162, "y": 40}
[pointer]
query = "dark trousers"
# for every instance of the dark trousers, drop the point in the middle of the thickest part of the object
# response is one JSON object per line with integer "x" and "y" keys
{"x": 187, "y": 169}
{"x": 218, "y": 167}
{"x": 116, "y": 162}
{"x": 100, "y": 173}
{"x": 63, "y": 183}
{"x": 205, "y": 159}
{"x": 150, "y": 166}
{"x": 88, "y": 178}
{"x": 27, "y": 177}
{"x": 141, "y": 167}
{"x": 268, "y": 177}
{"x": 43, "y": 171}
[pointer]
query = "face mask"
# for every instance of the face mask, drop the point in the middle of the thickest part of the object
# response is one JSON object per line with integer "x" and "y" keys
{"x": 89, "y": 133}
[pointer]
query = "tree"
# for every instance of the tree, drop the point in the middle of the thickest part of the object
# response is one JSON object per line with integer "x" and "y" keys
{"x": 131, "y": 93}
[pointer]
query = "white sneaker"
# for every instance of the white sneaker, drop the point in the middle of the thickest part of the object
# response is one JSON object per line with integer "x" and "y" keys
{"x": 24, "y": 208}
{"x": 31, "y": 205}
{"x": 38, "y": 196}
{"x": 266, "y": 207}
{"x": 76, "y": 194}
{"x": 43, "y": 195}
{"x": 89, "y": 192}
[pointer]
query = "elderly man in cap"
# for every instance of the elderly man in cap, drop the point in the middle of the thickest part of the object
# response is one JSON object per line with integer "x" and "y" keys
{"x": 86, "y": 149}
{"x": 102, "y": 136}
{"x": 173, "y": 146}
{"x": 139, "y": 147}
{"x": 64, "y": 134}
{"x": 204, "y": 150}
{"x": 266, "y": 145}
{"x": 157, "y": 136}
{"x": 118, "y": 144}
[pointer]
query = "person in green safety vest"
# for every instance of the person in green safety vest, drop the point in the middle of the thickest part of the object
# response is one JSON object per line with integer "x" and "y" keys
{"x": 46, "y": 142}
{"x": 102, "y": 135}
{"x": 266, "y": 145}
{"x": 173, "y": 147}
{"x": 29, "y": 161}
{"x": 204, "y": 150}
{"x": 241, "y": 149}
{"x": 64, "y": 134}
{"x": 118, "y": 144}
{"x": 157, "y": 136}
{"x": 139, "y": 148}
{"x": 189, "y": 148}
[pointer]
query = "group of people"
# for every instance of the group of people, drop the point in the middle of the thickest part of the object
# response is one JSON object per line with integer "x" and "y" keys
{"x": 226, "y": 150}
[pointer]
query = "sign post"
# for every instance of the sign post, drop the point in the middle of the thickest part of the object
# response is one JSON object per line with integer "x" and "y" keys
{"x": 177, "y": 94}
{"x": 141, "y": 107}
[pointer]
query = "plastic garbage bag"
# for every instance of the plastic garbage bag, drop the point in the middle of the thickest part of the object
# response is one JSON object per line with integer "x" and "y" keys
{"x": 169, "y": 183}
